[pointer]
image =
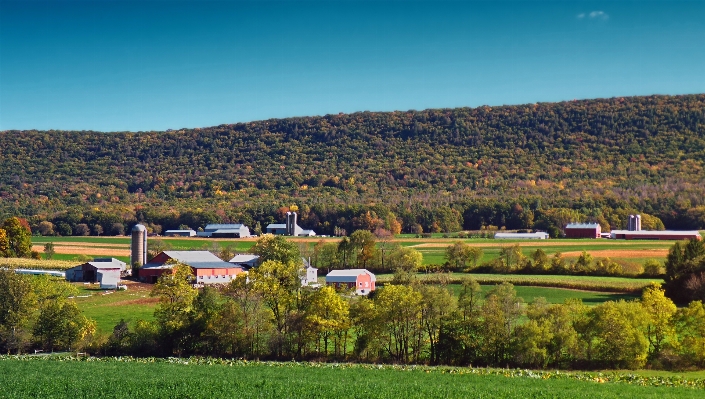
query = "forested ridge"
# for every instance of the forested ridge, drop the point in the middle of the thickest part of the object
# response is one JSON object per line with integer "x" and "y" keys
{"x": 477, "y": 166}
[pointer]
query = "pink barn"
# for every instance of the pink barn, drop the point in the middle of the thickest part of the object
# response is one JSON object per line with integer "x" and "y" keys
{"x": 207, "y": 268}
{"x": 362, "y": 280}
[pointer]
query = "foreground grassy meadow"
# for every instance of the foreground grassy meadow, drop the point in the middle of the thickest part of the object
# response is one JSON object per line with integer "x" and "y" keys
{"x": 204, "y": 378}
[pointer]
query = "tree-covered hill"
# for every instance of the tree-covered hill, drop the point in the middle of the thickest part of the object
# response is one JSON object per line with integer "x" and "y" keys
{"x": 640, "y": 153}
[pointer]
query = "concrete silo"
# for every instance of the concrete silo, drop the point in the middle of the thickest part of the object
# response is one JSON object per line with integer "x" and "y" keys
{"x": 138, "y": 253}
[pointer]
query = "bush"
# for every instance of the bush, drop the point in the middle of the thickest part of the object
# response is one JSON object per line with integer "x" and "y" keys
{"x": 653, "y": 268}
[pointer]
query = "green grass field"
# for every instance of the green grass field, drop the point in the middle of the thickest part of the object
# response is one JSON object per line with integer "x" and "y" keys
{"x": 590, "y": 283}
{"x": 52, "y": 378}
{"x": 630, "y": 254}
{"x": 108, "y": 309}
{"x": 557, "y": 295}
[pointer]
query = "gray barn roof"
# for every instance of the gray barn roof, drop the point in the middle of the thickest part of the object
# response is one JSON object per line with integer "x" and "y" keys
{"x": 347, "y": 276}
{"x": 236, "y": 226}
{"x": 276, "y": 226}
{"x": 581, "y": 225}
{"x": 195, "y": 259}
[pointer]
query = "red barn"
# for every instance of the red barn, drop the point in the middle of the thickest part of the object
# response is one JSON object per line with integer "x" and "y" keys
{"x": 206, "y": 267}
{"x": 362, "y": 280}
{"x": 583, "y": 230}
{"x": 655, "y": 235}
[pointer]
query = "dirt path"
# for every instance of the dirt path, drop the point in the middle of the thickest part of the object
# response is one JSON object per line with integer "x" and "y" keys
{"x": 617, "y": 253}
{"x": 80, "y": 250}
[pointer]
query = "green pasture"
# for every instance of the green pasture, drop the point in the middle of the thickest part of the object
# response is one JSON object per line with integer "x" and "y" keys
{"x": 432, "y": 255}
{"x": 107, "y": 309}
{"x": 556, "y": 295}
{"x": 589, "y": 283}
{"x": 57, "y": 378}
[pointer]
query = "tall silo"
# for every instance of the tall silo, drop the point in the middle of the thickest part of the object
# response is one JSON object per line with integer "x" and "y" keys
{"x": 139, "y": 245}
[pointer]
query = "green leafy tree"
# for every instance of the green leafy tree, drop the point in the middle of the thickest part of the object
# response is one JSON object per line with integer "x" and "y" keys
{"x": 327, "y": 318}
{"x": 461, "y": 256}
{"x": 277, "y": 248}
{"x": 4, "y": 243}
{"x": 619, "y": 339}
{"x": 18, "y": 303}
{"x": 49, "y": 251}
{"x": 19, "y": 238}
{"x": 363, "y": 244}
{"x": 279, "y": 285}
{"x": 173, "y": 313}
{"x": 437, "y": 305}
{"x": 399, "y": 309}
{"x": 501, "y": 311}
{"x": 659, "y": 311}
{"x": 60, "y": 325}
{"x": 690, "y": 327}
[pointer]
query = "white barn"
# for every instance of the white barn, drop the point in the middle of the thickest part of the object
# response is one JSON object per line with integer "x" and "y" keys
{"x": 521, "y": 236}
{"x": 237, "y": 230}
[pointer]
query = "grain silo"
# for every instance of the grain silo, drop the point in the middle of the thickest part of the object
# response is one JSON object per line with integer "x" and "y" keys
{"x": 138, "y": 254}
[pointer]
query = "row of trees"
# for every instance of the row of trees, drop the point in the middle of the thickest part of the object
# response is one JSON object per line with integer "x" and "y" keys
{"x": 330, "y": 219}
{"x": 461, "y": 257}
{"x": 269, "y": 315}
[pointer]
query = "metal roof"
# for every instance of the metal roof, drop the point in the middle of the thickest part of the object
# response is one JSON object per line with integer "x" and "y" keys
{"x": 347, "y": 275}
{"x": 224, "y": 226}
{"x": 657, "y": 232}
{"x": 521, "y": 235}
{"x": 244, "y": 258}
{"x": 581, "y": 225}
{"x": 139, "y": 227}
{"x": 276, "y": 226}
{"x": 226, "y": 231}
{"x": 195, "y": 259}
{"x": 180, "y": 231}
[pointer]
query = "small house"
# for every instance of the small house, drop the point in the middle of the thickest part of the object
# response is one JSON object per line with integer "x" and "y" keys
{"x": 361, "y": 280}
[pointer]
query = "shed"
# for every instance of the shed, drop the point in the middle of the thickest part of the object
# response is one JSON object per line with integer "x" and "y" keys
{"x": 106, "y": 271}
{"x": 362, "y": 280}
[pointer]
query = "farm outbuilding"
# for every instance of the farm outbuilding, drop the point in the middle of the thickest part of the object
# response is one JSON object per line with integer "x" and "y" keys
{"x": 655, "y": 235}
{"x": 180, "y": 233}
{"x": 206, "y": 267}
{"x": 106, "y": 271}
{"x": 583, "y": 230}
{"x": 521, "y": 236}
{"x": 235, "y": 230}
{"x": 362, "y": 280}
{"x": 290, "y": 228}
{"x": 246, "y": 261}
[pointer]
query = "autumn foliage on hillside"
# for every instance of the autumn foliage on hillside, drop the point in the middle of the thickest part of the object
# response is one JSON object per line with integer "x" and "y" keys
{"x": 474, "y": 166}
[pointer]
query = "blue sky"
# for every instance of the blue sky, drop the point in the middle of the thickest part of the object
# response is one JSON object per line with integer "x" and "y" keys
{"x": 156, "y": 65}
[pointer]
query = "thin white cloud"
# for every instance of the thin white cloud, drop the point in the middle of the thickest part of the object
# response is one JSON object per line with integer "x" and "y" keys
{"x": 599, "y": 15}
{"x": 581, "y": 15}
